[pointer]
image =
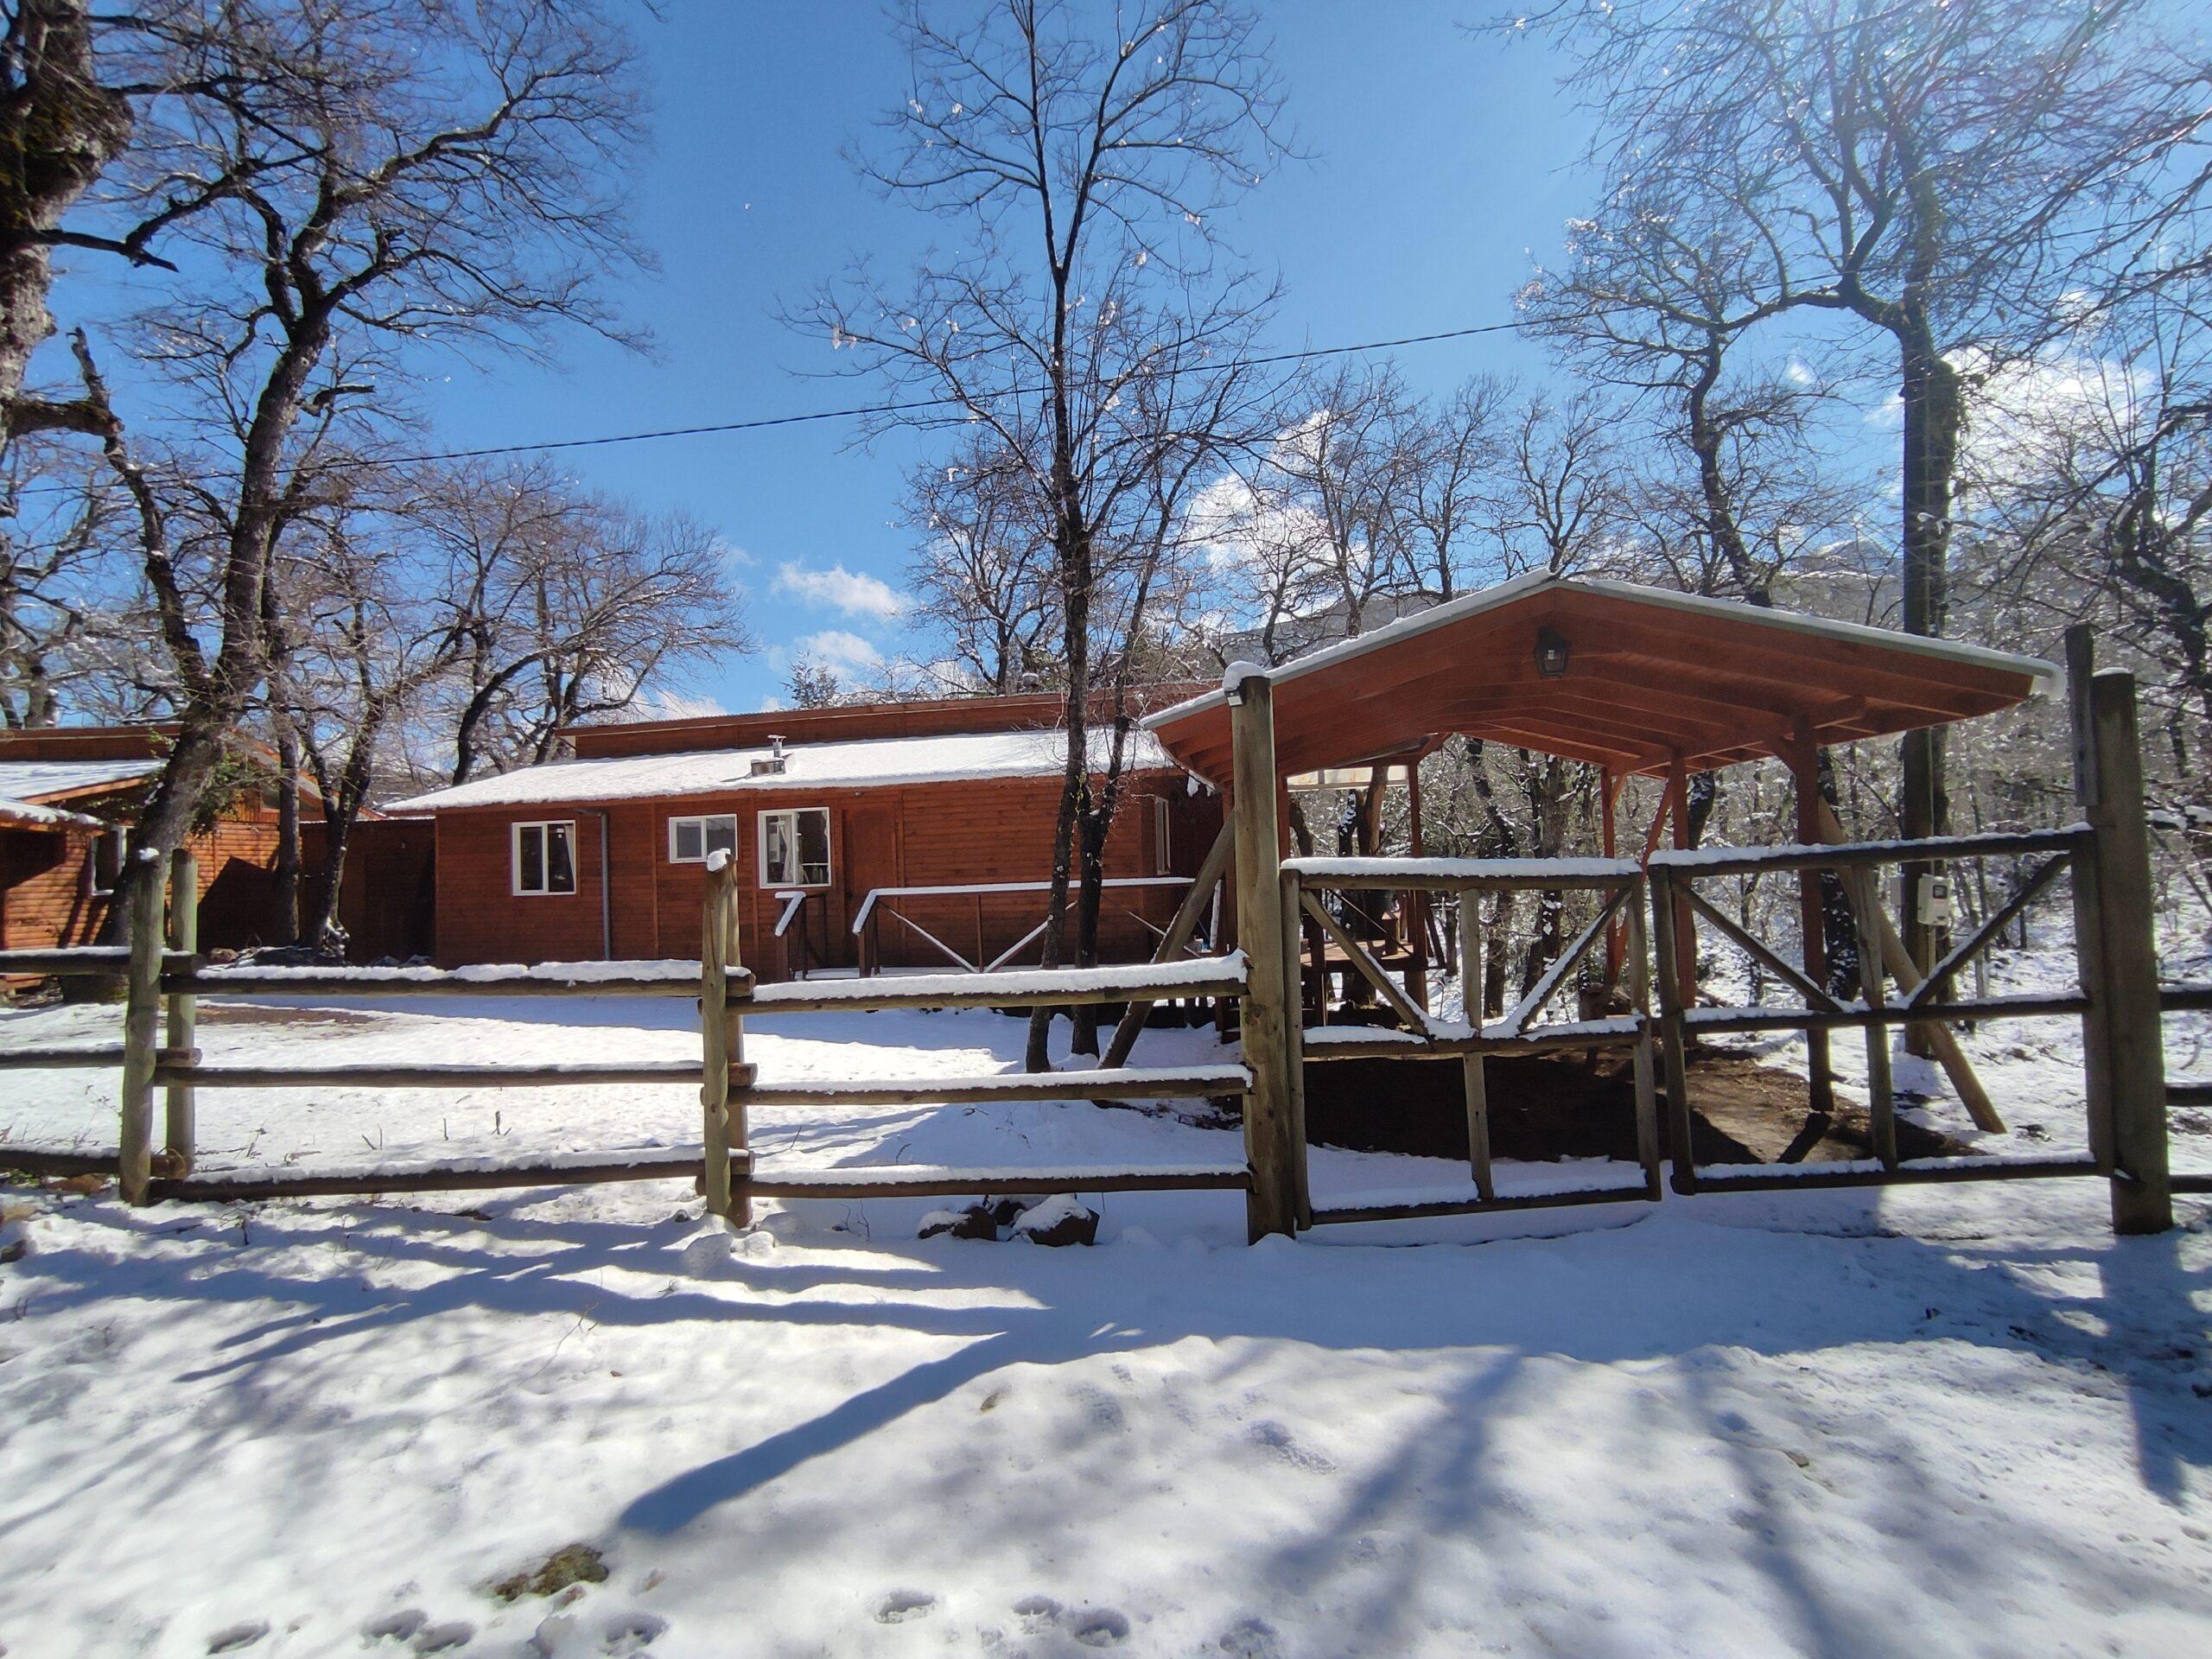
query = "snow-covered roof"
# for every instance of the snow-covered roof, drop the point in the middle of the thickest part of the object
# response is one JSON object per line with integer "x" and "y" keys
{"x": 37, "y": 781}
{"x": 29, "y": 814}
{"x": 876, "y": 763}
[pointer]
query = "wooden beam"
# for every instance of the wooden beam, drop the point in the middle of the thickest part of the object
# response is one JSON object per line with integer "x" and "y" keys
{"x": 1369, "y": 970}
{"x": 1184, "y": 923}
{"x": 1815, "y": 996}
{"x": 1966, "y": 1083}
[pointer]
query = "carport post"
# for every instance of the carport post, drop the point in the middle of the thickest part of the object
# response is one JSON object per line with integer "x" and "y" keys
{"x": 1272, "y": 1150}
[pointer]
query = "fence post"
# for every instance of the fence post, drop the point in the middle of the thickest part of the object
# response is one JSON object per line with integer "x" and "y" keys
{"x": 1639, "y": 994}
{"x": 738, "y": 1135}
{"x": 2115, "y": 923}
{"x": 1666, "y": 960}
{"x": 1294, "y": 918}
{"x": 181, "y": 1037}
{"x": 142, "y": 1015}
{"x": 1474, "y": 1084}
{"x": 1271, "y": 1206}
{"x": 714, "y": 1036}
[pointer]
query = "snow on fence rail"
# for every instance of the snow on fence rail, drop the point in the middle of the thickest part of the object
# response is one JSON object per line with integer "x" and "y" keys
{"x": 726, "y": 990}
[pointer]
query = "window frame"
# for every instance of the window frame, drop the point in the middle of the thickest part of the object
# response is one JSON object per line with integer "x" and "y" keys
{"x": 703, "y": 819}
{"x": 545, "y": 860}
{"x": 761, "y": 849}
{"x": 1163, "y": 837}
{"x": 119, "y": 836}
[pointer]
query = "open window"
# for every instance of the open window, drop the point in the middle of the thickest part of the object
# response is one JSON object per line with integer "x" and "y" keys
{"x": 545, "y": 857}
{"x": 795, "y": 847}
{"x": 691, "y": 840}
{"x": 111, "y": 856}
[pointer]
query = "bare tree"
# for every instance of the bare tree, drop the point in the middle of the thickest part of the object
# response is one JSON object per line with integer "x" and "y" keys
{"x": 569, "y": 606}
{"x": 1083, "y": 162}
{"x": 390, "y": 175}
{"x": 983, "y": 577}
{"x": 1924, "y": 171}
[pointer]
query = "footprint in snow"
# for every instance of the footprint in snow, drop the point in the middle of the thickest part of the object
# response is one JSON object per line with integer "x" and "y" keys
{"x": 1037, "y": 1613}
{"x": 1098, "y": 1627}
{"x": 243, "y": 1634}
{"x": 902, "y": 1605}
{"x": 440, "y": 1639}
{"x": 1250, "y": 1638}
{"x": 395, "y": 1626}
{"x": 628, "y": 1633}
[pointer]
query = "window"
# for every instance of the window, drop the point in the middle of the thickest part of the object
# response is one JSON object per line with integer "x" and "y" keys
{"x": 111, "y": 852}
{"x": 545, "y": 857}
{"x": 1163, "y": 862}
{"x": 689, "y": 840}
{"x": 795, "y": 847}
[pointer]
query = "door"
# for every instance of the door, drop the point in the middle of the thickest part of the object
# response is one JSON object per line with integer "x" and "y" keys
{"x": 871, "y": 862}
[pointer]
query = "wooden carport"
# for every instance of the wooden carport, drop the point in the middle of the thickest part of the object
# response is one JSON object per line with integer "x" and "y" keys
{"x": 1637, "y": 681}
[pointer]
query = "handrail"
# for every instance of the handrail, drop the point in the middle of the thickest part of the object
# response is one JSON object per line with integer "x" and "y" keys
{"x": 968, "y": 888}
{"x": 794, "y": 901}
{"x": 1698, "y": 862}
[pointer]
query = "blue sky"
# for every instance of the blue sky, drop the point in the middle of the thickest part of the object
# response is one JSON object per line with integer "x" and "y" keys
{"x": 1441, "y": 161}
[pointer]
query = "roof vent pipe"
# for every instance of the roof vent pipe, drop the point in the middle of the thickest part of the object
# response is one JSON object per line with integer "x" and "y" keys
{"x": 772, "y": 765}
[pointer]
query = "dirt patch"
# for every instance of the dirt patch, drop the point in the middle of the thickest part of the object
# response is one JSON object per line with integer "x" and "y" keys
{"x": 572, "y": 1563}
{"x": 251, "y": 1014}
{"x": 1551, "y": 1106}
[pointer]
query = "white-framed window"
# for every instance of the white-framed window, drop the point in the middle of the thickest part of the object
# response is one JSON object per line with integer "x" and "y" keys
{"x": 795, "y": 847}
{"x": 689, "y": 840}
{"x": 1163, "y": 861}
{"x": 545, "y": 857}
{"x": 111, "y": 854}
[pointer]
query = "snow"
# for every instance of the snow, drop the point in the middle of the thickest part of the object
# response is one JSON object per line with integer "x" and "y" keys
{"x": 30, "y": 815}
{"x": 1705, "y": 1427}
{"x": 1382, "y": 869}
{"x": 33, "y": 780}
{"x": 957, "y": 757}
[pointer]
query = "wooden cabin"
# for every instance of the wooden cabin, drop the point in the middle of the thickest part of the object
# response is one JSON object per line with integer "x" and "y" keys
{"x": 68, "y": 797}
{"x": 877, "y": 836}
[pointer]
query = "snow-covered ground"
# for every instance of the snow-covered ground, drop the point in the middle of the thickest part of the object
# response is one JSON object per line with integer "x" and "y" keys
{"x": 1957, "y": 1420}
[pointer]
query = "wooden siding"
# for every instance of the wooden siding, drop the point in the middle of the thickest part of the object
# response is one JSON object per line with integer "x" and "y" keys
{"x": 939, "y": 834}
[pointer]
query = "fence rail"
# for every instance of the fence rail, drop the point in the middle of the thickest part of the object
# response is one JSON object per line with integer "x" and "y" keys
{"x": 724, "y": 1166}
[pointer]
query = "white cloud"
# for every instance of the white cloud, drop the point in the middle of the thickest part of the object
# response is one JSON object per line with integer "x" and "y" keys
{"x": 855, "y": 593}
{"x": 839, "y": 648}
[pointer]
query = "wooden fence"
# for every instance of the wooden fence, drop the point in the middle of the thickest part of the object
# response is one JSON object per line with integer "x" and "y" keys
{"x": 158, "y": 1051}
{"x": 2119, "y": 999}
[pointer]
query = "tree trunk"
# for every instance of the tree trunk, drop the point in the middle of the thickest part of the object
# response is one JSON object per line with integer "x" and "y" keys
{"x": 1074, "y": 560}
{"x": 61, "y": 128}
{"x": 1933, "y": 412}
{"x": 285, "y": 920}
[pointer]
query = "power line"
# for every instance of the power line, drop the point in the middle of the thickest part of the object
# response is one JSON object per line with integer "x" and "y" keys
{"x": 859, "y": 411}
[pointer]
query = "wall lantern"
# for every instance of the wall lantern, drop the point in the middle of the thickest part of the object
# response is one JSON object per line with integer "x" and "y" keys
{"x": 1551, "y": 653}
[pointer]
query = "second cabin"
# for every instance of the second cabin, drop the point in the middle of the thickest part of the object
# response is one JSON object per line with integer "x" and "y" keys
{"x": 912, "y": 835}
